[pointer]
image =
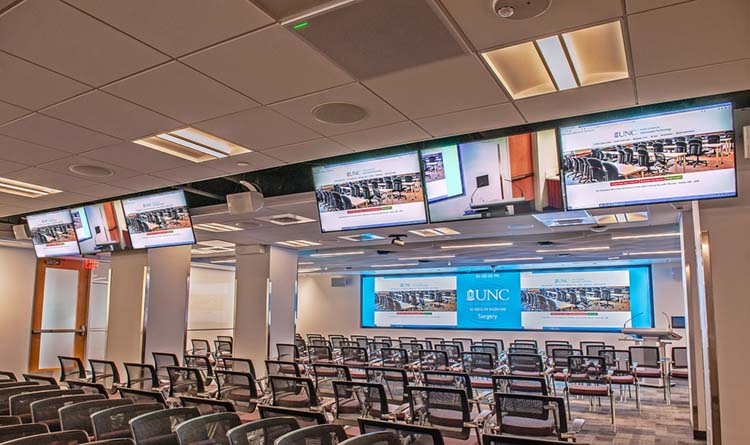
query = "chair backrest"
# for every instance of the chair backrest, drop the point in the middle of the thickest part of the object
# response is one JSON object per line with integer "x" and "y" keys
{"x": 433, "y": 359}
{"x": 88, "y": 387}
{"x": 444, "y": 408}
{"x": 527, "y": 342}
{"x": 202, "y": 363}
{"x": 47, "y": 411}
{"x": 465, "y": 343}
{"x": 394, "y": 357}
{"x": 20, "y": 405}
{"x": 293, "y": 392}
{"x": 227, "y": 338}
{"x": 394, "y": 380}
{"x": 77, "y": 415}
{"x": 239, "y": 365}
{"x": 617, "y": 360}
{"x": 452, "y": 350}
{"x": 185, "y": 381}
{"x": 325, "y": 374}
{"x": 449, "y": 379}
{"x": 287, "y": 352}
{"x": 523, "y": 348}
{"x": 143, "y": 395}
{"x": 354, "y": 356}
{"x": 407, "y": 433}
{"x": 275, "y": 367}
{"x": 40, "y": 379}
{"x": 595, "y": 349}
{"x": 520, "y": 384}
{"x": 546, "y": 408}
{"x": 59, "y": 438}
{"x": 8, "y": 376}
{"x": 223, "y": 348}
{"x": 319, "y": 434}
{"x": 584, "y": 344}
{"x": 587, "y": 368}
{"x": 15, "y": 384}
{"x": 303, "y": 416}
{"x": 71, "y": 367}
{"x": 208, "y": 406}
{"x": 262, "y": 432}
{"x": 238, "y": 388}
{"x": 160, "y": 424}
{"x": 7, "y": 393}
{"x": 488, "y": 348}
{"x": 141, "y": 376}
{"x": 560, "y": 356}
{"x": 9, "y": 420}
{"x": 162, "y": 360}
{"x": 359, "y": 399}
{"x": 501, "y": 439}
{"x": 525, "y": 362}
{"x": 499, "y": 343}
{"x": 104, "y": 372}
{"x": 645, "y": 356}
{"x": 376, "y": 438}
{"x": 210, "y": 428}
{"x": 478, "y": 363}
{"x": 679, "y": 357}
{"x": 200, "y": 346}
{"x": 13, "y": 432}
{"x": 112, "y": 423}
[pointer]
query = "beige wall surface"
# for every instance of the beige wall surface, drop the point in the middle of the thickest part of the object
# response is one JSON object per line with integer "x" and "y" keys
{"x": 17, "y": 273}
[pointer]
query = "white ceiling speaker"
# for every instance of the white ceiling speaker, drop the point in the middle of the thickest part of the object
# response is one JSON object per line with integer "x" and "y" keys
{"x": 339, "y": 113}
{"x": 245, "y": 202}
{"x": 520, "y": 9}
{"x": 92, "y": 171}
{"x": 599, "y": 228}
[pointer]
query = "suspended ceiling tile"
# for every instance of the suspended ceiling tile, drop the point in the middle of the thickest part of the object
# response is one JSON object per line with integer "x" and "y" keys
{"x": 9, "y": 112}
{"x": 10, "y": 166}
{"x": 258, "y": 129}
{"x": 307, "y": 151}
{"x": 485, "y": 29}
{"x": 385, "y": 136}
{"x": 694, "y": 82}
{"x": 285, "y": 8}
{"x": 104, "y": 191}
{"x": 190, "y": 173}
{"x": 111, "y": 115}
{"x": 57, "y": 180}
{"x": 10, "y": 210}
{"x": 268, "y": 65}
{"x": 477, "y": 119}
{"x": 181, "y": 92}
{"x": 33, "y": 87}
{"x": 254, "y": 160}
{"x": 178, "y": 26}
{"x": 688, "y": 35}
{"x": 63, "y": 166}
{"x": 136, "y": 157}
{"x": 63, "y": 39}
{"x": 26, "y": 152}
{"x": 44, "y": 130}
{"x": 577, "y": 101}
{"x": 442, "y": 87}
{"x": 635, "y": 6}
{"x": 143, "y": 182}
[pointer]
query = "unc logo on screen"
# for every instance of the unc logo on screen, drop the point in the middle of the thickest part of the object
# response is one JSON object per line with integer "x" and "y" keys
{"x": 487, "y": 295}
{"x": 625, "y": 133}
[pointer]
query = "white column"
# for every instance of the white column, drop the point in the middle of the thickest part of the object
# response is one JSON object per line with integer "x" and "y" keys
{"x": 126, "y": 298}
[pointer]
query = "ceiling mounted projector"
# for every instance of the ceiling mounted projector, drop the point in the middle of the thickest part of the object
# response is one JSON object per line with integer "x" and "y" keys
{"x": 520, "y": 9}
{"x": 245, "y": 202}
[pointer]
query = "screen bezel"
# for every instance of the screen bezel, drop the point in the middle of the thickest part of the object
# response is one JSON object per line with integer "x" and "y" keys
{"x": 548, "y": 269}
{"x": 78, "y": 246}
{"x": 368, "y": 159}
{"x": 637, "y": 112}
{"x": 190, "y": 217}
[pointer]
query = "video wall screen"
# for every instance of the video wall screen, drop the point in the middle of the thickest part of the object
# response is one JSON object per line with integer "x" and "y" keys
{"x": 377, "y": 192}
{"x": 158, "y": 220}
{"x": 590, "y": 299}
{"x": 101, "y": 227}
{"x": 505, "y": 176}
{"x": 53, "y": 234}
{"x": 671, "y": 156}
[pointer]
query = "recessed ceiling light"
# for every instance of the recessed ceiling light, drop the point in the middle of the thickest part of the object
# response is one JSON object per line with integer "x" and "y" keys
{"x": 92, "y": 171}
{"x": 339, "y": 113}
{"x": 333, "y": 254}
{"x": 649, "y": 235}
{"x": 553, "y": 54}
{"x": 476, "y": 245}
{"x": 362, "y": 237}
{"x": 573, "y": 249}
{"x": 285, "y": 219}
{"x": 192, "y": 144}
{"x": 305, "y": 263}
{"x": 216, "y": 227}
{"x": 431, "y": 257}
{"x": 298, "y": 243}
{"x": 615, "y": 218}
{"x": 438, "y": 231}
{"x": 25, "y": 189}
{"x": 528, "y": 258}
{"x": 653, "y": 252}
{"x": 520, "y": 69}
{"x": 597, "y": 53}
{"x": 395, "y": 265}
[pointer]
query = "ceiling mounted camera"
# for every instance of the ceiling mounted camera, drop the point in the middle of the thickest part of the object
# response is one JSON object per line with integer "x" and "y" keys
{"x": 398, "y": 240}
{"x": 520, "y": 9}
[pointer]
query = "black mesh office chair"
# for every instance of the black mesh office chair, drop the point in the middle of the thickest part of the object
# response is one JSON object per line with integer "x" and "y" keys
{"x": 76, "y": 415}
{"x": 326, "y": 374}
{"x": 287, "y": 352}
{"x": 106, "y": 373}
{"x": 520, "y": 384}
{"x": 588, "y": 376}
{"x": 49, "y": 411}
{"x": 239, "y": 388}
{"x": 360, "y": 399}
{"x": 303, "y": 417}
{"x": 492, "y": 439}
{"x": 262, "y": 432}
{"x": 141, "y": 376}
{"x": 534, "y": 416}
{"x": 71, "y": 368}
{"x": 162, "y": 360}
{"x": 319, "y": 434}
{"x": 88, "y": 387}
{"x": 7, "y": 376}
{"x": 13, "y": 432}
{"x": 433, "y": 360}
{"x": 446, "y": 409}
{"x": 207, "y": 406}
{"x": 679, "y": 366}
{"x": 143, "y": 395}
{"x": 611, "y": 172}
{"x": 185, "y": 382}
{"x": 20, "y": 405}
{"x": 394, "y": 380}
{"x": 293, "y": 392}
{"x": 238, "y": 365}
{"x": 275, "y": 367}
{"x": 207, "y": 429}
{"x": 113, "y": 423}
{"x": 61, "y": 437}
{"x": 19, "y": 388}
{"x": 40, "y": 379}
{"x": 407, "y": 433}
{"x": 157, "y": 427}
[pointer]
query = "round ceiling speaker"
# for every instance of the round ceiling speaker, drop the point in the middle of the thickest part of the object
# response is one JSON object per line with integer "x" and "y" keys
{"x": 339, "y": 113}
{"x": 520, "y": 9}
{"x": 92, "y": 171}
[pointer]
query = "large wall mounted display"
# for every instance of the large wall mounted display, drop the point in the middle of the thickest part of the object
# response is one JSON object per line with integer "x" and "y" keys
{"x": 158, "y": 220}
{"x": 376, "y": 192}
{"x": 591, "y": 299}
{"x": 496, "y": 177}
{"x": 678, "y": 155}
{"x": 53, "y": 234}
{"x": 101, "y": 227}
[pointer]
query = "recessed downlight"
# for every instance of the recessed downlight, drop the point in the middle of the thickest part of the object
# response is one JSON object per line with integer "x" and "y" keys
{"x": 92, "y": 171}
{"x": 339, "y": 113}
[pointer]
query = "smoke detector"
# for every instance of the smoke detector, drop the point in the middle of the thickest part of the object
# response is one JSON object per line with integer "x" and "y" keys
{"x": 520, "y": 9}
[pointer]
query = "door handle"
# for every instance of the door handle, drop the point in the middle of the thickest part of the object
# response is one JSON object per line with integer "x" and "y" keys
{"x": 82, "y": 331}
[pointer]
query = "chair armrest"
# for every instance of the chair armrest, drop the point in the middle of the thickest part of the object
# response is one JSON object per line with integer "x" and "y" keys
{"x": 396, "y": 412}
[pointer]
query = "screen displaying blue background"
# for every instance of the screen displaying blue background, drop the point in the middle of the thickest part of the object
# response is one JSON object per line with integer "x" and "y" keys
{"x": 489, "y": 301}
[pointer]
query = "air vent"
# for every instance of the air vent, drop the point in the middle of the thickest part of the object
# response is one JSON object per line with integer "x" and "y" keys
{"x": 285, "y": 219}
{"x": 339, "y": 113}
{"x": 341, "y": 281}
{"x": 569, "y": 222}
{"x": 92, "y": 171}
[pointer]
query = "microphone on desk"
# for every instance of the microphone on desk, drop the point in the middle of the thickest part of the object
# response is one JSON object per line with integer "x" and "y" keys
{"x": 669, "y": 320}
{"x": 624, "y": 325}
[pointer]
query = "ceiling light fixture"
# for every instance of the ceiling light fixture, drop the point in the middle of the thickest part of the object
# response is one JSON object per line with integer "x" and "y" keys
{"x": 286, "y": 219}
{"x": 192, "y": 144}
{"x": 298, "y": 243}
{"x": 560, "y": 62}
{"x": 313, "y": 269}
{"x": 334, "y": 254}
{"x": 653, "y": 252}
{"x": 573, "y": 249}
{"x": 477, "y": 245}
{"x": 528, "y": 258}
{"x": 224, "y": 262}
{"x": 362, "y": 237}
{"x": 650, "y": 235}
{"x": 305, "y": 263}
{"x": 395, "y": 265}
{"x": 437, "y": 231}
{"x": 25, "y": 189}
{"x": 298, "y": 19}
{"x": 216, "y": 227}
{"x": 426, "y": 258}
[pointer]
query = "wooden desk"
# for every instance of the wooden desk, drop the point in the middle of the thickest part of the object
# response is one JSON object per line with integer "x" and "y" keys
{"x": 629, "y": 170}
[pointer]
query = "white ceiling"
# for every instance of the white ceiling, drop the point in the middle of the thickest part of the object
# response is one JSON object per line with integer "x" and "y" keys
{"x": 82, "y": 78}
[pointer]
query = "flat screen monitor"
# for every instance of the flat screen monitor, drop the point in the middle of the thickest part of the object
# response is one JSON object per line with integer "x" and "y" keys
{"x": 158, "y": 220}
{"x": 680, "y": 155}
{"x": 376, "y": 192}
{"x": 584, "y": 299}
{"x": 53, "y": 234}
{"x": 504, "y": 176}
{"x": 678, "y": 323}
{"x": 101, "y": 227}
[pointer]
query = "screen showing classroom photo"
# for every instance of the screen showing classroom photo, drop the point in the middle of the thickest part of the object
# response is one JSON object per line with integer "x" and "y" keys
{"x": 53, "y": 234}
{"x": 101, "y": 227}
{"x": 158, "y": 220}
{"x": 379, "y": 192}
{"x": 672, "y": 156}
{"x": 590, "y": 299}
{"x": 505, "y": 176}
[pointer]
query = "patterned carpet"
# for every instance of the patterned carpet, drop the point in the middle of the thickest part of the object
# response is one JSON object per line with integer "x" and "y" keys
{"x": 657, "y": 423}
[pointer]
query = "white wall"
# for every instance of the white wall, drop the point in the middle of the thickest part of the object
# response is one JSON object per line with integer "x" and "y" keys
{"x": 335, "y": 310}
{"x": 17, "y": 275}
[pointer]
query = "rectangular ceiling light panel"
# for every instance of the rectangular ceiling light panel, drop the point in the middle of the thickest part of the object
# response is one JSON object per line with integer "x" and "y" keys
{"x": 557, "y": 62}
{"x": 298, "y": 243}
{"x": 25, "y": 189}
{"x": 597, "y": 53}
{"x": 192, "y": 144}
{"x": 521, "y": 70}
{"x": 216, "y": 227}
